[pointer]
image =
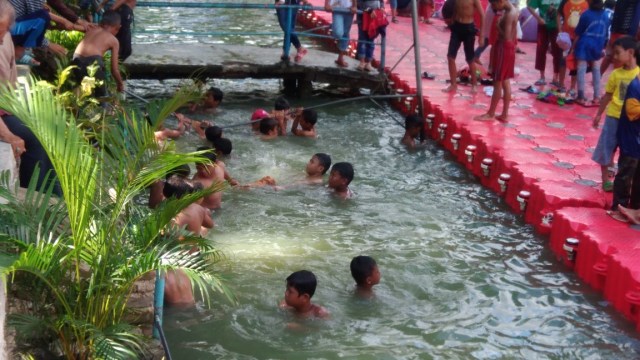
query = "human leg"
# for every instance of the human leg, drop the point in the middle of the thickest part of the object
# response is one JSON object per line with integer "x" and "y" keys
{"x": 595, "y": 75}
{"x": 506, "y": 100}
{"x": 605, "y": 149}
{"x": 35, "y": 155}
{"x": 622, "y": 184}
{"x": 495, "y": 99}
{"x": 124, "y": 34}
{"x": 542, "y": 46}
{"x": 469, "y": 54}
{"x": 582, "y": 72}
{"x": 556, "y": 53}
{"x": 634, "y": 201}
{"x": 393, "y": 4}
{"x": 454, "y": 45}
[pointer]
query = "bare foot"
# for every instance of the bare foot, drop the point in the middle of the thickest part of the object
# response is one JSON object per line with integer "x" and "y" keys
{"x": 617, "y": 215}
{"x": 502, "y": 117}
{"x": 484, "y": 117}
{"x": 632, "y": 215}
{"x": 450, "y": 89}
{"x": 474, "y": 89}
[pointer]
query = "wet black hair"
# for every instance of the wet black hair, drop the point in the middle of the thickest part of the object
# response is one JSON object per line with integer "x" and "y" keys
{"x": 267, "y": 124}
{"x": 111, "y": 18}
{"x": 216, "y": 93}
{"x": 361, "y": 268}
{"x": 345, "y": 170}
{"x": 212, "y": 133}
{"x": 310, "y": 116}
{"x": 281, "y": 104}
{"x": 325, "y": 161}
{"x": 609, "y": 4}
{"x": 182, "y": 171}
{"x": 209, "y": 155}
{"x": 413, "y": 121}
{"x": 176, "y": 187}
{"x": 628, "y": 42}
{"x": 303, "y": 281}
{"x": 223, "y": 145}
{"x": 596, "y": 5}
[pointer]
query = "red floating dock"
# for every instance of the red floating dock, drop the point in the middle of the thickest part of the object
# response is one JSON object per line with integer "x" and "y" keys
{"x": 540, "y": 162}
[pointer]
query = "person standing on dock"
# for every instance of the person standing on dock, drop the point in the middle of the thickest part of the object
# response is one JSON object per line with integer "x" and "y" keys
{"x": 341, "y": 25}
{"x": 503, "y": 58}
{"x": 293, "y": 38}
{"x": 125, "y": 9}
{"x": 463, "y": 32}
{"x": 366, "y": 46}
{"x": 547, "y": 34}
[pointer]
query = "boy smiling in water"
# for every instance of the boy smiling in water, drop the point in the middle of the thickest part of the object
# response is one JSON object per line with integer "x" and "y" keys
{"x": 317, "y": 167}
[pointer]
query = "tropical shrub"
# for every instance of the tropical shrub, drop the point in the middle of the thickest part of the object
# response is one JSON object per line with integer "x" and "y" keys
{"x": 77, "y": 257}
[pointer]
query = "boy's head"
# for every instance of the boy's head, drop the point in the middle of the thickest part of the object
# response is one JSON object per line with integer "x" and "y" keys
{"x": 268, "y": 126}
{"x": 111, "y": 21}
{"x": 413, "y": 124}
{"x": 318, "y": 164}
{"x": 208, "y": 157}
{"x": 309, "y": 119}
{"x": 223, "y": 146}
{"x": 341, "y": 175}
{"x": 365, "y": 271}
{"x": 176, "y": 187}
{"x": 625, "y": 50}
{"x": 301, "y": 285}
{"x": 213, "y": 98}
{"x": 212, "y": 133}
{"x": 183, "y": 171}
{"x": 281, "y": 104}
{"x": 596, "y": 5}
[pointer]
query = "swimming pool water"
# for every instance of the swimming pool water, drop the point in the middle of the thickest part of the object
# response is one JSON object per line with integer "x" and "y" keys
{"x": 462, "y": 277}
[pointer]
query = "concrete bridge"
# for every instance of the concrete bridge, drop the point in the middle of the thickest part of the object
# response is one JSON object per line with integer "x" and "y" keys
{"x": 163, "y": 61}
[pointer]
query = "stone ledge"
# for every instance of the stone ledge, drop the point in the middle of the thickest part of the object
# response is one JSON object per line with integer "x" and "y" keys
{"x": 8, "y": 162}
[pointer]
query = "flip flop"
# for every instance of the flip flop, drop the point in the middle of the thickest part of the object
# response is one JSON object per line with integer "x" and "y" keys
{"x": 617, "y": 215}
{"x": 301, "y": 53}
{"x": 540, "y": 82}
{"x": 341, "y": 64}
{"x": 27, "y": 59}
{"x": 531, "y": 90}
{"x": 428, "y": 76}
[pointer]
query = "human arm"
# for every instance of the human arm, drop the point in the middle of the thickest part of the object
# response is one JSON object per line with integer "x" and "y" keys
{"x": 115, "y": 68}
{"x": 16, "y": 142}
{"x": 199, "y": 126}
{"x": 354, "y": 6}
{"x": 532, "y": 6}
{"x": 604, "y": 101}
{"x": 227, "y": 176}
{"x": 478, "y": 7}
{"x": 207, "y": 221}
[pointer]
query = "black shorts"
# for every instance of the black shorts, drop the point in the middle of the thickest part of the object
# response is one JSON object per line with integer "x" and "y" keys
{"x": 462, "y": 34}
{"x": 82, "y": 63}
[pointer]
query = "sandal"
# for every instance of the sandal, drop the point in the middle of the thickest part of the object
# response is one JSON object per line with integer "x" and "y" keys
{"x": 342, "y": 64}
{"x": 540, "y": 82}
{"x": 428, "y": 76}
{"x": 301, "y": 53}
{"x": 607, "y": 186}
{"x": 27, "y": 59}
{"x": 617, "y": 215}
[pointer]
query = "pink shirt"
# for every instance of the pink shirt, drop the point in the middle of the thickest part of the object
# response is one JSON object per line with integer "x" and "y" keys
{"x": 8, "y": 72}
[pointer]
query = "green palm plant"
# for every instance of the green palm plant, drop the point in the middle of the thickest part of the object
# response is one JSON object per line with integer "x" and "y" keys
{"x": 78, "y": 257}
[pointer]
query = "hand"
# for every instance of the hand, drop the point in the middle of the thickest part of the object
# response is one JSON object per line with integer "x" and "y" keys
{"x": 541, "y": 21}
{"x": 354, "y": 9}
{"x": 17, "y": 144}
{"x": 596, "y": 121}
{"x": 57, "y": 49}
{"x": 328, "y": 8}
{"x": 120, "y": 86}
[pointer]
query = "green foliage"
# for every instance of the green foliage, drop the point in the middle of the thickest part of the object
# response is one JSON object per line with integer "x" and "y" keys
{"x": 77, "y": 257}
{"x": 68, "y": 39}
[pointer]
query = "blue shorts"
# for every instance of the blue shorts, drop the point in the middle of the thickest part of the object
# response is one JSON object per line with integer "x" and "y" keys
{"x": 607, "y": 142}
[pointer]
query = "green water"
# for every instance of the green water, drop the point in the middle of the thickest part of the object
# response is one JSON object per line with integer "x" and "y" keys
{"x": 462, "y": 277}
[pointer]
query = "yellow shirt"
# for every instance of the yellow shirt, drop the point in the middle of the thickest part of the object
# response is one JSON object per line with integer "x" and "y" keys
{"x": 617, "y": 87}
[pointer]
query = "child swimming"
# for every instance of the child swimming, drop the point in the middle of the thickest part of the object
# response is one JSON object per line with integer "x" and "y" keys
{"x": 301, "y": 285}
{"x": 339, "y": 179}
{"x": 413, "y": 126}
{"x": 317, "y": 167}
{"x": 304, "y": 123}
{"x": 365, "y": 272}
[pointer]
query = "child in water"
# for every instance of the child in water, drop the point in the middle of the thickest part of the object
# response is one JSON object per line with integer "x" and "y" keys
{"x": 304, "y": 123}
{"x": 339, "y": 179}
{"x": 366, "y": 274}
{"x": 268, "y": 128}
{"x": 413, "y": 126}
{"x": 317, "y": 167}
{"x": 301, "y": 285}
{"x": 281, "y": 114}
{"x": 208, "y": 174}
{"x": 210, "y": 101}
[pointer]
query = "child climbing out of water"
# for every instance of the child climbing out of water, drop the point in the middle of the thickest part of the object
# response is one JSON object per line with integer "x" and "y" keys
{"x": 281, "y": 114}
{"x": 193, "y": 218}
{"x": 317, "y": 167}
{"x": 209, "y": 173}
{"x": 155, "y": 194}
{"x": 301, "y": 285}
{"x": 413, "y": 127}
{"x": 304, "y": 123}
{"x": 268, "y": 128}
{"x": 339, "y": 179}
{"x": 626, "y": 185}
{"x": 624, "y": 57}
{"x": 210, "y": 101}
{"x": 96, "y": 42}
{"x": 365, "y": 272}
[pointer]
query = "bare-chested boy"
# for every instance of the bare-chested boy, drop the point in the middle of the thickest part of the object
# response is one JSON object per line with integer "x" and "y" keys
{"x": 504, "y": 59}
{"x": 209, "y": 174}
{"x": 92, "y": 48}
{"x": 317, "y": 166}
{"x": 463, "y": 32}
{"x": 195, "y": 219}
